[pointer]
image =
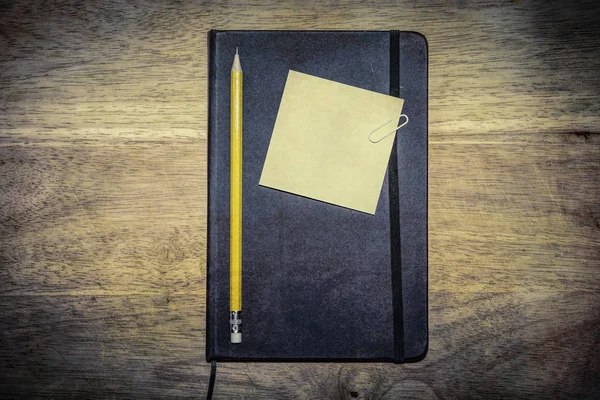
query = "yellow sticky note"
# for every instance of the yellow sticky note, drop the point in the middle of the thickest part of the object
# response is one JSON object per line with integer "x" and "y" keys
{"x": 320, "y": 146}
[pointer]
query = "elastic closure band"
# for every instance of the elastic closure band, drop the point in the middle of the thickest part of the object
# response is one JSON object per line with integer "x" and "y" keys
{"x": 396, "y": 257}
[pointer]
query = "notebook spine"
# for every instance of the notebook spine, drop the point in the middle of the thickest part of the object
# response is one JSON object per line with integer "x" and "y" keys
{"x": 394, "y": 194}
{"x": 210, "y": 340}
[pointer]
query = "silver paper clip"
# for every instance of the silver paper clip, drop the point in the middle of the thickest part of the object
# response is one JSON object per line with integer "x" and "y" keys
{"x": 398, "y": 127}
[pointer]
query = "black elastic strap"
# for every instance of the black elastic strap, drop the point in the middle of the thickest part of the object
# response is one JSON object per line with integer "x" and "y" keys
{"x": 397, "y": 306}
{"x": 211, "y": 382}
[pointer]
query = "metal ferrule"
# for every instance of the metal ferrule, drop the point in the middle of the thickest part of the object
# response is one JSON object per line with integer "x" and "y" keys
{"x": 235, "y": 321}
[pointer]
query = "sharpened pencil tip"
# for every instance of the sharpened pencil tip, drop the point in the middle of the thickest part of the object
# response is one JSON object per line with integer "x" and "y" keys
{"x": 237, "y": 66}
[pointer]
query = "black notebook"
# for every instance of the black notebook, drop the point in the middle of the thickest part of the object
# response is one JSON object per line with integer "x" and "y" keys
{"x": 320, "y": 282}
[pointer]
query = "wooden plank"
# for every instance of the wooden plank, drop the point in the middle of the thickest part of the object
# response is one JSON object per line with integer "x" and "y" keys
{"x": 514, "y": 218}
{"x": 131, "y": 218}
{"x": 139, "y": 70}
{"x": 106, "y": 219}
{"x": 482, "y": 344}
{"x": 102, "y": 346}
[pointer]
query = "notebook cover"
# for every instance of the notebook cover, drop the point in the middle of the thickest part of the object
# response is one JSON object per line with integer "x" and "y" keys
{"x": 320, "y": 282}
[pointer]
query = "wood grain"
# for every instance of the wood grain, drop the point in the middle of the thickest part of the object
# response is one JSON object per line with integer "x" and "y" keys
{"x": 103, "y": 201}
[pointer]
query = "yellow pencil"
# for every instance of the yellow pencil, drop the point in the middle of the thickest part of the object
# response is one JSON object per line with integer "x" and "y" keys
{"x": 235, "y": 254}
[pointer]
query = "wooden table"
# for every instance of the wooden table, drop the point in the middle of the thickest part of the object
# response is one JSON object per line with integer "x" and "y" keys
{"x": 103, "y": 200}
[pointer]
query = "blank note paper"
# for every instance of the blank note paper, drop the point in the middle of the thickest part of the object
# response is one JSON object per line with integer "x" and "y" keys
{"x": 320, "y": 146}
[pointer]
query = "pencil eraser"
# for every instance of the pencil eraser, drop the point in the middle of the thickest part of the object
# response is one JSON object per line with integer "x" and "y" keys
{"x": 236, "y": 337}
